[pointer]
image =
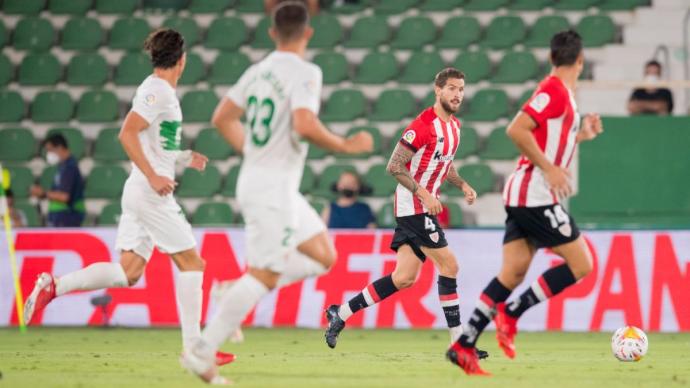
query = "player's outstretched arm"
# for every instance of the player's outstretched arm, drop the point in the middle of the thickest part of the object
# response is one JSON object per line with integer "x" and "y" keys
{"x": 308, "y": 125}
{"x": 455, "y": 179}
{"x": 397, "y": 166}
{"x": 226, "y": 118}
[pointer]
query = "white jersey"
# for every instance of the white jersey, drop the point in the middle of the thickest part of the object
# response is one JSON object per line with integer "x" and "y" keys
{"x": 273, "y": 153}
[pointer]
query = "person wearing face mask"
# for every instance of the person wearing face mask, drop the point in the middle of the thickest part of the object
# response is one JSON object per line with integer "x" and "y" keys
{"x": 66, "y": 194}
{"x": 347, "y": 212}
{"x": 651, "y": 100}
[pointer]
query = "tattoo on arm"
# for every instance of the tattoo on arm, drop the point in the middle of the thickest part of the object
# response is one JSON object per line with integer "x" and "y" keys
{"x": 397, "y": 166}
{"x": 454, "y": 178}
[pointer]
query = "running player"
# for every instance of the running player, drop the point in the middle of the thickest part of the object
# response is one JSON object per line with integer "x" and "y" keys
{"x": 421, "y": 162}
{"x": 546, "y": 131}
{"x": 286, "y": 239}
{"x": 151, "y": 135}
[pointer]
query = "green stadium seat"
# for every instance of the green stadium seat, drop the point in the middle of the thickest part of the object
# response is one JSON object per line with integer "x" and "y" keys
{"x": 308, "y": 180}
{"x": 393, "y": 105}
{"x": 23, "y": 7}
{"x": 75, "y": 140}
{"x": 226, "y": 33}
{"x": 381, "y": 182}
{"x": 475, "y": 64}
{"x": 333, "y": 65}
{"x": 52, "y": 106}
{"x": 198, "y": 105}
{"x": 504, "y": 32}
{"x": 316, "y": 152}
{"x": 210, "y": 143}
{"x": 249, "y": 6}
{"x": 228, "y": 68}
{"x": 440, "y": 5}
{"x": 105, "y": 181}
{"x": 516, "y": 67}
{"x": 33, "y": 34}
{"x": 459, "y": 32}
{"x": 39, "y": 69}
{"x": 530, "y": 5}
{"x": 487, "y": 105}
{"x": 478, "y": 175}
{"x": 47, "y": 177}
{"x": 6, "y": 70}
{"x": 17, "y": 144}
{"x": 375, "y": 134}
{"x": 230, "y": 181}
{"x": 82, "y": 34}
{"x": 3, "y": 34}
{"x": 368, "y": 32}
{"x": 344, "y": 105}
{"x": 414, "y": 32}
{"x": 185, "y": 26}
{"x": 522, "y": 99}
{"x": 129, "y": 33}
{"x": 393, "y": 7}
{"x": 428, "y": 100}
{"x": 421, "y": 68}
{"x": 119, "y": 7}
{"x": 133, "y": 69}
{"x": 348, "y": 8}
{"x": 544, "y": 28}
{"x": 499, "y": 146}
{"x": 385, "y": 217}
{"x": 318, "y": 204}
{"x": 621, "y": 5}
{"x": 327, "y": 31}
{"x": 469, "y": 142}
{"x": 87, "y": 70}
{"x": 574, "y": 5}
{"x": 455, "y": 218}
{"x": 596, "y": 30}
{"x": 329, "y": 177}
{"x": 107, "y": 147}
{"x": 213, "y": 214}
{"x": 485, "y": 5}
{"x": 208, "y": 6}
{"x": 196, "y": 184}
{"x": 110, "y": 214}
{"x": 31, "y": 212}
{"x": 194, "y": 70}
{"x": 377, "y": 68}
{"x": 70, "y": 7}
{"x": 261, "y": 38}
{"x": 97, "y": 106}
{"x": 11, "y": 106}
{"x": 21, "y": 180}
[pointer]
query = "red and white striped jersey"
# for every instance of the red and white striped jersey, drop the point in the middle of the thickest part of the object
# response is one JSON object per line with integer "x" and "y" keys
{"x": 552, "y": 106}
{"x": 434, "y": 143}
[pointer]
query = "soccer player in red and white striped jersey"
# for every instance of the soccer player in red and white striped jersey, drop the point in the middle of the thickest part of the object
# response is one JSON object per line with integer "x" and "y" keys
{"x": 546, "y": 131}
{"x": 421, "y": 162}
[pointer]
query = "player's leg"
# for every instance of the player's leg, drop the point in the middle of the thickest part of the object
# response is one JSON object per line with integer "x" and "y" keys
{"x": 447, "y": 266}
{"x": 189, "y": 294}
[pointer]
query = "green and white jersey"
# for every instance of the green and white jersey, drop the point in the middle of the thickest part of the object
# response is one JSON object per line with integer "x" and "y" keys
{"x": 274, "y": 154}
{"x": 157, "y": 103}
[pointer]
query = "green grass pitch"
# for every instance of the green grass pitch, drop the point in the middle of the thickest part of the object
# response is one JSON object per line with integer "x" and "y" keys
{"x": 95, "y": 357}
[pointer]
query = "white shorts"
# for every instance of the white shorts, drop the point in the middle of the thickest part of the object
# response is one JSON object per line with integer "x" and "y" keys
{"x": 150, "y": 220}
{"x": 273, "y": 231}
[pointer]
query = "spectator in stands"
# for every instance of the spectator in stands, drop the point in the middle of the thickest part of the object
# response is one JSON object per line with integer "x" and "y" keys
{"x": 17, "y": 217}
{"x": 651, "y": 100}
{"x": 347, "y": 212}
{"x": 66, "y": 195}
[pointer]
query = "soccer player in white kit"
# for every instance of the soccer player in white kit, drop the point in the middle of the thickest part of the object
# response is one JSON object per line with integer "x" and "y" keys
{"x": 151, "y": 136}
{"x": 286, "y": 239}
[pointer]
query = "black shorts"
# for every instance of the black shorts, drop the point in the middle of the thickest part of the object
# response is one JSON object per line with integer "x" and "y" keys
{"x": 543, "y": 226}
{"x": 417, "y": 231}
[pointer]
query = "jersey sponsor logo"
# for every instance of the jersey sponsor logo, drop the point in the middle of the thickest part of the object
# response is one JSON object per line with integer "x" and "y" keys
{"x": 171, "y": 135}
{"x": 409, "y": 136}
{"x": 444, "y": 158}
{"x": 150, "y": 99}
{"x": 539, "y": 102}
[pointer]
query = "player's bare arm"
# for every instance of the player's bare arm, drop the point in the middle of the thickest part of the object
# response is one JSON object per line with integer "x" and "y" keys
{"x": 308, "y": 125}
{"x": 454, "y": 178}
{"x": 226, "y": 118}
{"x": 129, "y": 137}
{"x": 591, "y": 127}
{"x": 397, "y": 166}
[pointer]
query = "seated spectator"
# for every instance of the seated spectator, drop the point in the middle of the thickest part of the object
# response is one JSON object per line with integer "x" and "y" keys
{"x": 17, "y": 217}
{"x": 347, "y": 212}
{"x": 651, "y": 100}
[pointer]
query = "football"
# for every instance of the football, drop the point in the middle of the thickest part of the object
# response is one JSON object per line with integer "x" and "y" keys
{"x": 629, "y": 343}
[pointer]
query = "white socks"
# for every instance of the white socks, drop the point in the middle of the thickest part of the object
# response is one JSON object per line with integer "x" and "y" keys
{"x": 299, "y": 267}
{"x": 93, "y": 277}
{"x": 345, "y": 311}
{"x": 455, "y": 333}
{"x": 189, "y": 299}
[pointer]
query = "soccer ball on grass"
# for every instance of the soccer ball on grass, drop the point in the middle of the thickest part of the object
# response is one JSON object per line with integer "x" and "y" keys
{"x": 629, "y": 344}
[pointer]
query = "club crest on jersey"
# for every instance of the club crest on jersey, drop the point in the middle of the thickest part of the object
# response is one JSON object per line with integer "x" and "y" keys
{"x": 434, "y": 237}
{"x": 565, "y": 230}
{"x": 539, "y": 102}
{"x": 409, "y": 136}
{"x": 150, "y": 99}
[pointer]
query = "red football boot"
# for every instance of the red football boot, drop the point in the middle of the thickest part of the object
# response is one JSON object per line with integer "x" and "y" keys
{"x": 42, "y": 294}
{"x": 506, "y": 328}
{"x": 223, "y": 358}
{"x": 466, "y": 358}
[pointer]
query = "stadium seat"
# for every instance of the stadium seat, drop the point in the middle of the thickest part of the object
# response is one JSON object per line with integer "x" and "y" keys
{"x": 133, "y": 69}
{"x": 368, "y": 32}
{"x": 97, "y": 106}
{"x": 544, "y": 28}
{"x": 382, "y": 184}
{"x": 327, "y": 31}
{"x": 261, "y": 38}
{"x": 393, "y": 7}
{"x": 226, "y": 33}
{"x": 75, "y": 140}
{"x": 39, "y": 69}
{"x": 596, "y": 30}
{"x": 52, "y": 106}
{"x": 329, "y": 177}
{"x": 107, "y": 147}
{"x": 574, "y": 5}
{"x": 70, "y": 7}
{"x": 208, "y": 6}
{"x": 23, "y": 7}
{"x": 129, "y": 33}
{"x": 249, "y": 6}
{"x": 230, "y": 181}
{"x": 440, "y": 5}
{"x": 198, "y": 105}
{"x": 87, "y": 70}
{"x": 344, "y": 105}
{"x": 194, "y": 70}
{"x": 428, "y": 100}
{"x": 228, "y": 67}
{"x": 185, "y": 26}
{"x": 47, "y": 177}
{"x": 516, "y": 67}
{"x": 21, "y": 180}
{"x": 469, "y": 142}
{"x": 11, "y": 106}
{"x": 333, "y": 65}
{"x": 499, "y": 146}
{"x": 485, "y": 5}
{"x": 478, "y": 175}
{"x": 33, "y": 34}
{"x": 33, "y": 216}
{"x": 213, "y": 214}
{"x": 522, "y": 99}
{"x": 377, "y": 68}
{"x": 393, "y": 105}
{"x": 105, "y": 181}
{"x": 504, "y": 32}
{"x": 17, "y": 145}
{"x": 621, "y": 5}
{"x": 318, "y": 204}
{"x": 110, "y": 214}
{"x": 6, "y": 70}
{"x": 316, "y": 152}
{"x": 349, "y": 8}
{"x": 308, "y": 180}
{"x": 421, "y": 68}
{"x": 459, "y": 32}
{"x": 413, "y": 33}
{"x": 375, "y": 134}
{"x": 530, "y": 5}
{"x": 475, "y": 64}
{"x": 385, "y": 217}
{"x": 82, "y": 34}
{"x": 196, "y": 184}
{"x": 4, "y": 35}
{"x": 455, "y": 219}
{"x": 487, "y": 105}
{"x": 119, "y": 7}
{"x": 210, "y": 143}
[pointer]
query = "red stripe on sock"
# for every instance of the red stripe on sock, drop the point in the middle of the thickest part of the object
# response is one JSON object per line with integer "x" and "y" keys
{"x": 485, "y": 298}
{"x": 448, "y": 297}
{"x": 544, "y": 287}
{"x": 373, "y": 293}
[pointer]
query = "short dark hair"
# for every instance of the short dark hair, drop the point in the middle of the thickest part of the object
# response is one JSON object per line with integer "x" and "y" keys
{"x": 165, "y": 47}
{"x": 9, "y": 193}
{"x": 289, "y": 19}
{"x": 565, "y": 48}
{"x": 653, "y": 62}
{"x": 449, "y": 72}
{"x": 56, "y": 140}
